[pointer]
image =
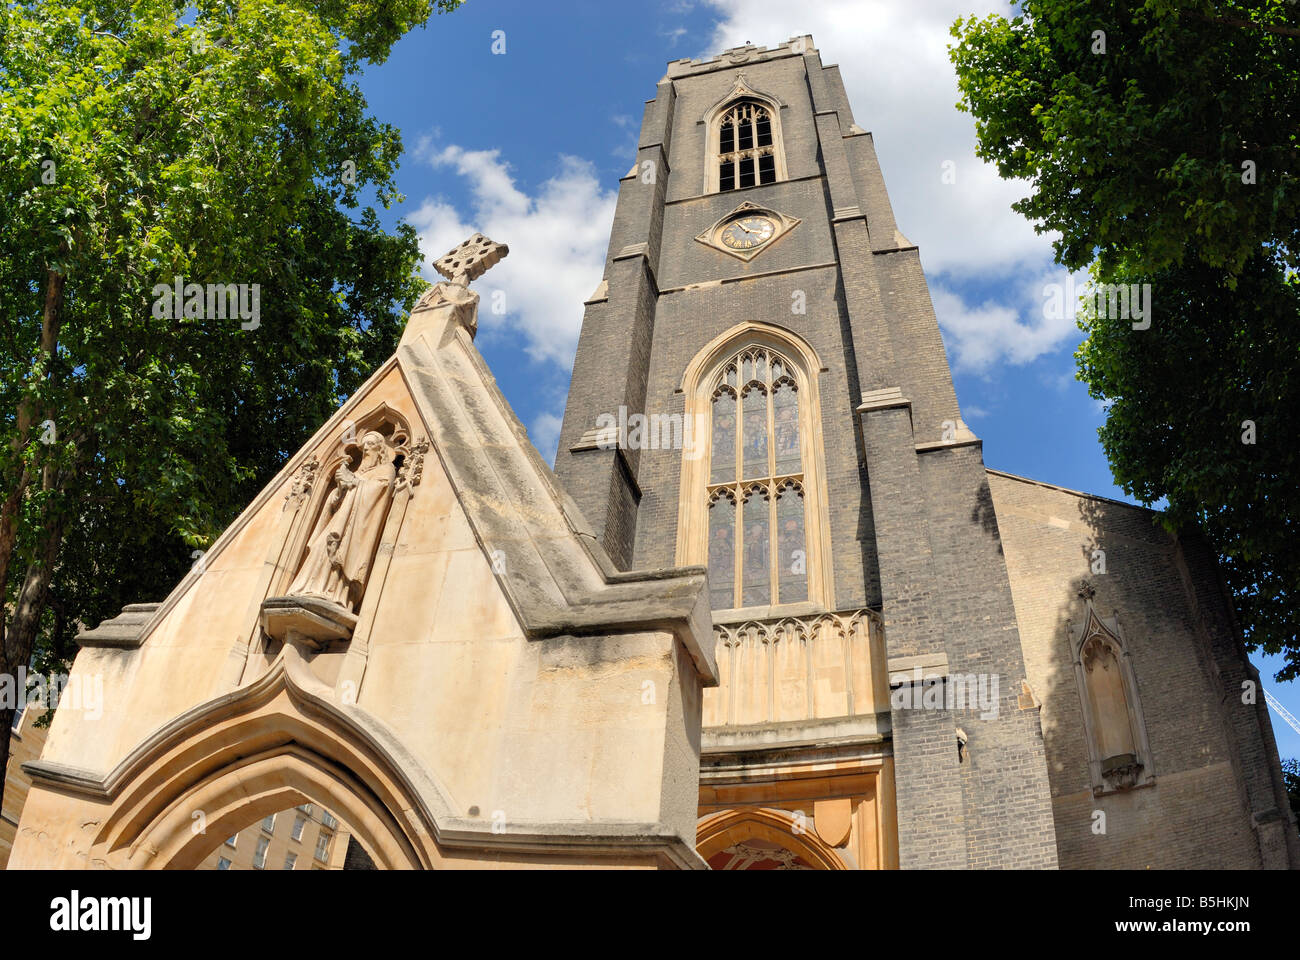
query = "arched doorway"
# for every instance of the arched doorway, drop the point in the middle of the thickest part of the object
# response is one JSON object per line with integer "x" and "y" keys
{"x": 274, "y": 747}
{"x": 306, "y": 836}
{"x": 762, "y": 838}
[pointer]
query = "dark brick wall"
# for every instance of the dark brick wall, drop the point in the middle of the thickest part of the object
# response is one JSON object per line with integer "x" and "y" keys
{"x": 1215, "y": 765}
{"x": 909, "y": 532}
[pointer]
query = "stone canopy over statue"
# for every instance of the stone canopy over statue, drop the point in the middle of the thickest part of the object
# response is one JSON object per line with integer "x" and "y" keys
{"x": 323, "y": 599}
{"x": 342, "y": 544}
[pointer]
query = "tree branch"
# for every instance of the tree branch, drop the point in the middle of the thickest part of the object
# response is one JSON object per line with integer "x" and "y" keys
{"x": 1234, "y": 22}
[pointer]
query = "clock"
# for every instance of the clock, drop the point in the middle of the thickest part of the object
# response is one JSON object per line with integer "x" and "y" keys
{"x": 747, "y": 230}
{"x": 747, "y": 233}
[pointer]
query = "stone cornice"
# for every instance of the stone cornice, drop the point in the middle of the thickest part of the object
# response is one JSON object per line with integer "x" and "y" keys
{"x": 431, "y": 809}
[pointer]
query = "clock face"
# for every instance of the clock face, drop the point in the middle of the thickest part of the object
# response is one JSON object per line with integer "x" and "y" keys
{"x": 746, "y": 233}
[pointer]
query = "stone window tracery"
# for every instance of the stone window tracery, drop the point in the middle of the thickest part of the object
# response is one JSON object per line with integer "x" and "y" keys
{"x": 753, "y": 498}
{"x": 746, "y": 146}
{"x": 757, "y": 513}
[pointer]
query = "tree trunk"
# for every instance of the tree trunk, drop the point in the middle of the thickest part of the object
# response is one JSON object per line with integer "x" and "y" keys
{"x": 18, "y": 636}
{"x": 21, "y": 635}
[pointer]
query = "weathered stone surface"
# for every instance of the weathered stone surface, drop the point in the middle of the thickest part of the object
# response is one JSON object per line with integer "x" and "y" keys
{"x": 508, "y": 695}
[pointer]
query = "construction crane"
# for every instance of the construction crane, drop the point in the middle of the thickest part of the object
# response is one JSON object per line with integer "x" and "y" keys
{"x": 1282, "y": 711}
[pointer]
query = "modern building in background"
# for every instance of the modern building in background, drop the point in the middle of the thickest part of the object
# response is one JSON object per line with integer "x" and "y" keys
{"x": 25, "y": 744}
{"x": 308, "y": 837}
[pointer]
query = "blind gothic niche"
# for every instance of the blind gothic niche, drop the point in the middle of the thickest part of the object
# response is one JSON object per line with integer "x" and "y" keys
{"x": 344, "y": 506}
{"x": 1118, "y": 753}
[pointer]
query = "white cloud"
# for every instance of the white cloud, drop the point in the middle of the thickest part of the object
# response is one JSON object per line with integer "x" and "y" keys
{"x": 894, "y": 61}
{"x": 557, "y": 240}
{"x": 545, "y": 434}
{"x": 626, "y": 148}
{"x": 1017, "y": 329}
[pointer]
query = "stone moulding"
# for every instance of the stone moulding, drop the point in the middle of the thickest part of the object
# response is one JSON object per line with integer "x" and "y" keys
{"x": 417, "y": 813}
{"x": 556, "y": 576}
{"x": 721, "y": 828}
{"x": 316, "y": 620}
{"x": 763, "y": 661}
{"x": 126, "y": 630}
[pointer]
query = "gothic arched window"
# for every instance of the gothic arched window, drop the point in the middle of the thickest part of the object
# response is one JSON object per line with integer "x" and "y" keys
{"x": 757, "y": 524}
{"x": 746, "y": 148}
{"x": 753, "y": 492}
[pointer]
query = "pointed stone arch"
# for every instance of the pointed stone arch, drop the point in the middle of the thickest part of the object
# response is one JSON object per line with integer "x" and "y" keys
{"x": 727, "y": 828}
{"x": 805, "y": 368}
{"x": 273, "y": 744}
{"x": 1119, "y": 755}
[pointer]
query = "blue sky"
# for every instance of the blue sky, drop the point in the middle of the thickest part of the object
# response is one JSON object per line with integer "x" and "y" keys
{"x": 528, "y": 147}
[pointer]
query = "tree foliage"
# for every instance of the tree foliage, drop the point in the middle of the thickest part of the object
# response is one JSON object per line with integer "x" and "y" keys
{"x": 1291, "y": 778}
{"x": 1160, "y": 140}
{"x": 218, "y": 142}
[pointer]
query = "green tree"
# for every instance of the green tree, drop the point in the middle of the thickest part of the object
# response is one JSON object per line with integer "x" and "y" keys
{"x": 1160, "y": 140}
{"x": 218, "y": 142}
{"x": 1291, "y": 777}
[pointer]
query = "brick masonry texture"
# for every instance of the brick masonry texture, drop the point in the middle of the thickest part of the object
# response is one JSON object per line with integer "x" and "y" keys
{"x": 1215, "y": 765}
{"x": 962, "y": 563}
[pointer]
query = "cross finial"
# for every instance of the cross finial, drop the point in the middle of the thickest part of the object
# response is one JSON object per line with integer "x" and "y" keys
{"x": 471, "y": 259}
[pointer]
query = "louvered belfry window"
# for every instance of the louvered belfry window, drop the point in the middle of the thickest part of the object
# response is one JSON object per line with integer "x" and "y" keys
{"x": 746, "y": 153}
{"x": 757, "y": 550}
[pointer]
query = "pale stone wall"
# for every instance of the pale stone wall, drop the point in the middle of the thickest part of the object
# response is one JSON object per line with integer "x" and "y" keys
{"x": 1198, "y": 810}
{"x": 25, "y": 744}
{"x": 505, "y": 697}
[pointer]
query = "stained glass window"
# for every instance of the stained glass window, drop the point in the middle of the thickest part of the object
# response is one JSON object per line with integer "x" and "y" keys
{"x": 724, "y": 438}
{"x": 791, "y": 555}
{"x": 757, "y": 567}
{"x": 754, "y": 405}
{"x": 722, "y": 551}
{"x": 757, "y": 525}
{"x": 785, "y": 429}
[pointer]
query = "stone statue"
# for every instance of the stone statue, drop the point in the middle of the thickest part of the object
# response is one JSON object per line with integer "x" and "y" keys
{"x": 343, "y": 542}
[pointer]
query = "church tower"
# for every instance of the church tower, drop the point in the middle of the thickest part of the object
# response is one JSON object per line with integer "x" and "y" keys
{"x": 760, "y": 388}
{"x": 898, "y": 657}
